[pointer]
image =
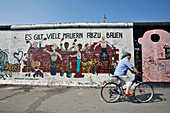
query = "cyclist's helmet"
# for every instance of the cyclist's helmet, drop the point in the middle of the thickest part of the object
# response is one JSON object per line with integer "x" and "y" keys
{"x": 126, "y": 54}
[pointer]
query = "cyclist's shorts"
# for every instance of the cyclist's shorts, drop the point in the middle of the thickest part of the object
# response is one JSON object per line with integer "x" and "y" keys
{"x": 126, "y": 80}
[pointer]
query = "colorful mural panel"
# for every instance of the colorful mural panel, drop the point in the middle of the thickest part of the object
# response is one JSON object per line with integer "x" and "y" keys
{"x": 72, "y": 56}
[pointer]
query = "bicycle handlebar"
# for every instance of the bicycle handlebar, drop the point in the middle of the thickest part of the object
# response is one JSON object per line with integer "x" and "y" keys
{"x": 140, "y": 73}
{"x": 132, "y": 71}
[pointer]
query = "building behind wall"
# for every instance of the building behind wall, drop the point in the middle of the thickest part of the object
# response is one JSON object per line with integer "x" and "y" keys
{"x": 72, "y": 54}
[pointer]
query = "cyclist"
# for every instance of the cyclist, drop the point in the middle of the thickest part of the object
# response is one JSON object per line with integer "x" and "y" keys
{"x": 121, "y": 71}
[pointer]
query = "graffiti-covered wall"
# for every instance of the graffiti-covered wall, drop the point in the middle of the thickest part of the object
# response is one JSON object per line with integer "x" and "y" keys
{"x": 82, "y": 54}
{"x": 78, "y": 54}
{"x": 152, "y": 50}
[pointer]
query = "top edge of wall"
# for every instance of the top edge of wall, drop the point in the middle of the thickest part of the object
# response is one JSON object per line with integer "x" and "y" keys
{"x": 151, "y": 24}
{"x": 84, "y": 25}
{"x": 71, "y": 25}
{"x": 5, "y": 27}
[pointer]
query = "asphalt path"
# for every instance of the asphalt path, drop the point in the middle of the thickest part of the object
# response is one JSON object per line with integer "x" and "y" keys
{"x": 28, "y": 99}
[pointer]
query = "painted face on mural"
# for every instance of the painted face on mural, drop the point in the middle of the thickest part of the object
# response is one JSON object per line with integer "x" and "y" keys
{"x": 66, "y": 45}
{"x": 103, "y": 38}
{"x": 80, "y": 46}
{"x": 35, "y": 44}
{"x": 54, "y": 47}
{"x": 76, "y": 47}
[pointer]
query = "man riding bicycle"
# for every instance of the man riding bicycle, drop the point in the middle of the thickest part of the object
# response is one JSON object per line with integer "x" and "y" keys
{"x": 121, "y": 71}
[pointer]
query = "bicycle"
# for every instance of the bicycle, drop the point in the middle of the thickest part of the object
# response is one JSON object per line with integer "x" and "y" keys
{"x": 111, "y": 92}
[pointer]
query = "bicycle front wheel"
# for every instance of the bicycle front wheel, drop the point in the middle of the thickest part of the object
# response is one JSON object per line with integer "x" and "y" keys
{"x": 143, "y": 92}
{"x": 110, "y": 92}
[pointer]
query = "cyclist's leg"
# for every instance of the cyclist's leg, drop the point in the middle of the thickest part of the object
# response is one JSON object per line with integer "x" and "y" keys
{"x": 128, "y": 82}
{"x": 117, "y": 80}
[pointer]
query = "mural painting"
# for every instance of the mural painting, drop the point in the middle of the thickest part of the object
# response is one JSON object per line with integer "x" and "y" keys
{"x": 78, "y": 60}
{"x": 67, "y": 57}
{"x": 5, "y": 67}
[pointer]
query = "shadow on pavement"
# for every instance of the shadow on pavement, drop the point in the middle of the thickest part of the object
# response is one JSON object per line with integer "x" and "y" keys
{"x": 157, "y": 98}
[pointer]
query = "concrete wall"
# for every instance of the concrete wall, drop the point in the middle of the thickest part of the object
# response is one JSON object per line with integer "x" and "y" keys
{"x": 152, "y": 50}
{"x": 69, "y": 54}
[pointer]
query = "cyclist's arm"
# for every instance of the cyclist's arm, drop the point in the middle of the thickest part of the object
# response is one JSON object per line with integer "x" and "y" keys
{"x": 134, "y": 68}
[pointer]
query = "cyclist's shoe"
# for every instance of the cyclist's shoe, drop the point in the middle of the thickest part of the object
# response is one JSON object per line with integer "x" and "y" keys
{"x": 116, "y": 92}
{"x": 129, "y": 95}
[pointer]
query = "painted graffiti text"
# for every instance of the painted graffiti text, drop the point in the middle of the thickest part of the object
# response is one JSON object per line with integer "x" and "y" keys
{"x": 53, "y": 36}
{"x": 162, "y": 67}
{"x": 93, "y": 35}
{"x": 12, "y": 67}
{"x": 72, "y": 35}
{"x": 114, "y": 35}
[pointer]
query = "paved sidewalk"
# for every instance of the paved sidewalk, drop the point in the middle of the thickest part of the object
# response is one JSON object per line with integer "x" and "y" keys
{"x": 27, "y": 99}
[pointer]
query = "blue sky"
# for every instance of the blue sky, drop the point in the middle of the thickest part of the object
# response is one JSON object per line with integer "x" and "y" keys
{"x": 67, "y": 11}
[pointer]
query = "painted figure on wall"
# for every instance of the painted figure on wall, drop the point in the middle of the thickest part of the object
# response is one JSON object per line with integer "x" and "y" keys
{"x": 78, "y": 55}
{"x": 54, "y": 56}
{"x": 3, "y": 62}
{"x": 36, "y": 66}
{"x": 35, "y": 45}
{"x": 103, "y": 44}
{"x": 66, "y": 45}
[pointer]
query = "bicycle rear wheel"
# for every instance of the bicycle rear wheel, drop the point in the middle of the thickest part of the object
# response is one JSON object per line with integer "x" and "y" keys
{"x": 143, "y": 92}
{"x": 110, "y": 92}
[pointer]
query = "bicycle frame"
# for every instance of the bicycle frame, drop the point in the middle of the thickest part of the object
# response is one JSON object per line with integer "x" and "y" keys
{"x": 124, "y": 89}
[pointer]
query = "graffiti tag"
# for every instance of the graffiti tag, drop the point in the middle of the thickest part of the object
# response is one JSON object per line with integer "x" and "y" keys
{"x": 162, "y": 67}
{"x": 12, "y": 67}
{"x": 87, "y": 65}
